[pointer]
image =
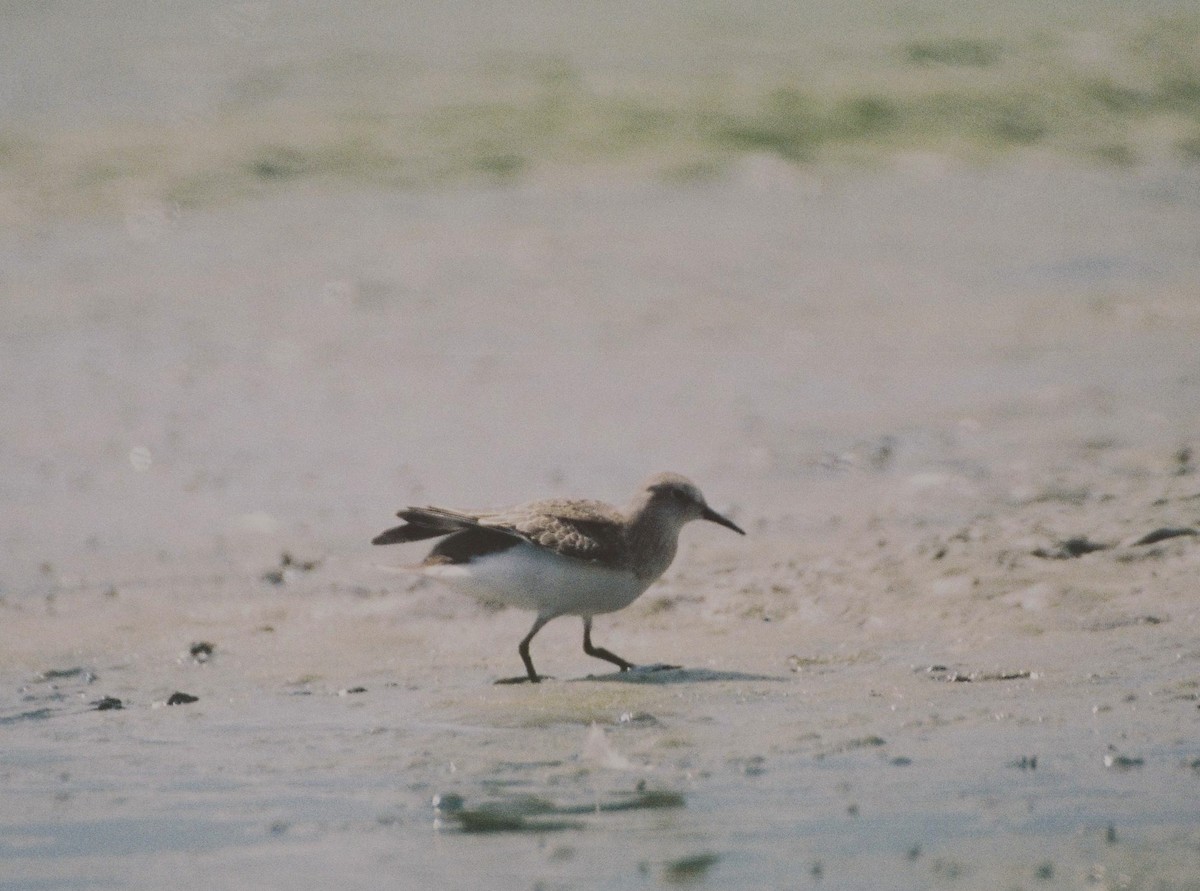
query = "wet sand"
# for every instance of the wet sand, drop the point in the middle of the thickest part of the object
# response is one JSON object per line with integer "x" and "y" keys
{"x": 946, "y": 408}
{"x": 956, "y": 406}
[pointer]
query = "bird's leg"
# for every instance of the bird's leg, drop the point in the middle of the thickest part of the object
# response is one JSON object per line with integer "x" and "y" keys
{"x": 523, "y": 648}
{"x": 600, "y": 652}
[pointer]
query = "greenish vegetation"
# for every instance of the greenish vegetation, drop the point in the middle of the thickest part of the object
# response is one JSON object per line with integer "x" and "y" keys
{"x": 1124, "y": 98}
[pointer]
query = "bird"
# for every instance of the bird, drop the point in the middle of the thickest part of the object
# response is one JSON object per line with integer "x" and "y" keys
{"x": 558, "y": 556}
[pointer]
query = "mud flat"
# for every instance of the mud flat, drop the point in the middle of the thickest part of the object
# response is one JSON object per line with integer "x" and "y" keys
{"x": 954, "y": 401}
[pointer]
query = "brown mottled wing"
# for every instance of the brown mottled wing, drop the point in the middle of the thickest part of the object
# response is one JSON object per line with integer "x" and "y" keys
{"x": 584, "y": 530}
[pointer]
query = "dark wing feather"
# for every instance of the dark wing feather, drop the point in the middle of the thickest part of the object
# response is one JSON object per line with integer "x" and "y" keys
{"x": 467, "y": 544}
{"x": 425, "y": 522}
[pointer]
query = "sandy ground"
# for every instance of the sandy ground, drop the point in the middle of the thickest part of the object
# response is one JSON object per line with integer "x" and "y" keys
{"x": 914, "y": 389}
{"x": 956, "y": 406}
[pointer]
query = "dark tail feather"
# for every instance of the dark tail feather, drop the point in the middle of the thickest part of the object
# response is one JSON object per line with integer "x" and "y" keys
{"x": 407, "y": 532}
{"x": 423, "y": 523}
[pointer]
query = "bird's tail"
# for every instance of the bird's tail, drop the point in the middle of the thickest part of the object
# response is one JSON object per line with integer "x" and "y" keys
{"x": 425, "y": 522}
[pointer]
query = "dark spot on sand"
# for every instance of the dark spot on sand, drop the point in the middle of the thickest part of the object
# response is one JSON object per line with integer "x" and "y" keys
{"x": 35, "y": 715}
{"x": 202, "y": 650}
{"x": 287, "y": 560}
{"x": 58, "y": 674}
{"x": 1123, "y": 762}
{"x": 498, "y": 818}
{"x": 288, "y": 567}
{"x": 1163, "y": 533}
{"x": 178, "y": 698}
{"x": 685, "y": 869}
{"x": 1070, "y": 548}
{"x": 108, "y": 703}
{"x": 1183, "y": 462}
{"x": 449, "y": 802}
{"x": 942, "y": 673}
{"x": 1025, "y": 762}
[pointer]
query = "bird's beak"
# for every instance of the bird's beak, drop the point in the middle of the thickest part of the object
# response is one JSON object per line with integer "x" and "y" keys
{"x": 713, "y": 516}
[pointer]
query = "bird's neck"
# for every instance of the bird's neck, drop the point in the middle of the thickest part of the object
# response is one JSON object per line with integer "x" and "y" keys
{"x": 653, "y": 539}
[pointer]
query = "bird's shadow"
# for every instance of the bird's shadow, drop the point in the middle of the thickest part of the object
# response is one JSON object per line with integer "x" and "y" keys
{"x": 674, "y": 674}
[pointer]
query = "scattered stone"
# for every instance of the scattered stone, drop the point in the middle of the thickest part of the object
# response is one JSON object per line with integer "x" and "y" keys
{"x": 900, "y": 761}
{"x": 287, "y": 560}
{"x": 201, "y": 651}
{"x": 352, "y": 690}
{"x": 178, "y": 698}
{"x": 1164, "y": 533}
{"x": 288, "y": 567}
{"x": 108, "y": 703}
{"x": 1025, "y": 762}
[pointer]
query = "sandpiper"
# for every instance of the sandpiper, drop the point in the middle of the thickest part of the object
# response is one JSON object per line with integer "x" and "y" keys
{"x": 558, "y": 557}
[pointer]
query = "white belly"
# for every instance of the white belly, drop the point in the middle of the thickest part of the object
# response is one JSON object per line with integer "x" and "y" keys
{"x": 533, "y": 578}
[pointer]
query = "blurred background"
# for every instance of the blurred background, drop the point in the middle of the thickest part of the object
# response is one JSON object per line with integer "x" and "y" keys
{"x": 109, "y": 104}
{"x": 276, "y": 268}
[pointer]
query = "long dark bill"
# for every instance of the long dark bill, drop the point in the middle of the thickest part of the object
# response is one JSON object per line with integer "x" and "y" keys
{"x": 713, "y": 516}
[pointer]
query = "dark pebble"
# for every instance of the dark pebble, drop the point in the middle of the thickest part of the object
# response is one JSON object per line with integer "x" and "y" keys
{"x": 108, "y": 703}
{"x": 178, "y": 698}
